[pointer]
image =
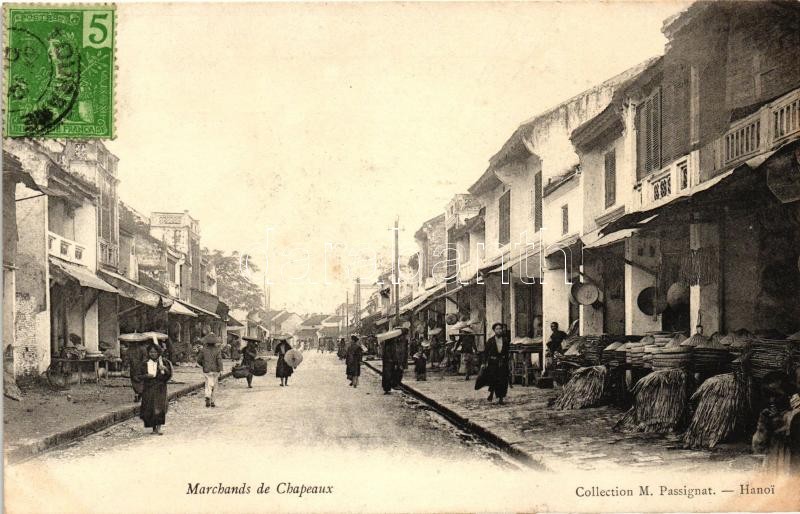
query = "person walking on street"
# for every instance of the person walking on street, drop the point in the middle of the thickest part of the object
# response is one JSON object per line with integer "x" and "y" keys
{"x": 467, "y": 350}
{"x": 388, "y": 358}
{"x": 283, "y": 370}
{"x": 137, "y": 356}
{"x": 249, "y": 354}
{"x": 210, "y": 358}
{"x": 354, "y": 356}
{"x": 155, "y": 372}
{"x": 496, "y": 366}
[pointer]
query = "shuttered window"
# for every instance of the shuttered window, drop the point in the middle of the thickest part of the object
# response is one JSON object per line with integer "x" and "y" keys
{"x": 537, "y": 201}
{"x": 564, "y": 219}
{"x": 505, "y": 218}
{"x": 611, "y": 178}
{"x": 648, "y": 135}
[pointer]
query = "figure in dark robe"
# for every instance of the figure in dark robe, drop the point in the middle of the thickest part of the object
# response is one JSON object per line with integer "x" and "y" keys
{"x": 137, "y": 355}
{"x": 392, "y": 370}
{"x": 496, "y": 357}
{"x": 155, "y": 372}
{"x": 249, "y": 354}
{"x": 353, "y": 359}
{"x": 283, "y": 370}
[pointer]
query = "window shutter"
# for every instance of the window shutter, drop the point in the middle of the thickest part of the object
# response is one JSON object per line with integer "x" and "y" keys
{"x": 564, "y": 220}
{"x": 655, "y": 107}
{"x": 505, "y": 218}
{"x": 537, "y": 201}
{"x": 648, "y": 135}
{"x": 641, "y": 147}
{"x": 611, "y": 178}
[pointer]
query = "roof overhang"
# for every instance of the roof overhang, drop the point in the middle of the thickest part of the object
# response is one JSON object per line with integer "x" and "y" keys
{"x": 81, "y": 274}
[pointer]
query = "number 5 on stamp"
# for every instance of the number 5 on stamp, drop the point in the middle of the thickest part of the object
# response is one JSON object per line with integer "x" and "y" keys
{"x": 59, "y": 71}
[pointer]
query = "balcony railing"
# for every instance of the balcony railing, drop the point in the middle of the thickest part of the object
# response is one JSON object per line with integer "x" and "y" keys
{"x": 674, "y": 178}
{"x": 67, "y": 249}
{"x": 764, "y": 130}
{"x": 108, "y": 253}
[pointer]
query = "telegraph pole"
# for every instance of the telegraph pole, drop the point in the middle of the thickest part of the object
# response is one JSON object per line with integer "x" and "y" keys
{"x": 397, "y": 271}
{"x": 358, "y": 303}
{"x": 347, "y": 313}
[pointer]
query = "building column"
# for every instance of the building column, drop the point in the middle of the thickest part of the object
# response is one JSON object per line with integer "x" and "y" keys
{"x": 494, "y": 301}
{"x": 704, "y": 304}
{"x": 591, "y": 317}
{"x": 640, "y": 252}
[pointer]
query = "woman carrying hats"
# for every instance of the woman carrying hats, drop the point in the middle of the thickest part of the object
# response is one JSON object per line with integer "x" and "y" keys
{"x": 283, "y": 370}
{"x": 496, "y": 357}
{"x": 155, "y": 372}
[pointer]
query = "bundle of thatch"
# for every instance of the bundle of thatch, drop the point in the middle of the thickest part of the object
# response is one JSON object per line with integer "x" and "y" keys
{"x": 721, "y": 411}
{"x": 659, "y": 404}
{"x": 584, "y": 389}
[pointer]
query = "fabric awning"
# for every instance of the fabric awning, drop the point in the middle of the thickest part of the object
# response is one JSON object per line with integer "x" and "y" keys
{"x": 509, "y": 261}
{"x": 422, "y": 297}
{"x": 609, "y": 239}
{"x": 233, "y": 323}
{"x": 83, "y": 275}
{"x": 634, "y": 219}
{"x": 130, "y": 289}
{"x": 382, "y": 321}
{"x": 198, "y": 310}
{"x": 180, "y": 309}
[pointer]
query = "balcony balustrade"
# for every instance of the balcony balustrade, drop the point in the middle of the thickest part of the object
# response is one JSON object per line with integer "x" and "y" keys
{"x": 67, "y": 249}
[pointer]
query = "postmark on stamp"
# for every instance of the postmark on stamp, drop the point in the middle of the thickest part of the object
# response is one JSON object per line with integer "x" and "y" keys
{"x": 59, "y": 70}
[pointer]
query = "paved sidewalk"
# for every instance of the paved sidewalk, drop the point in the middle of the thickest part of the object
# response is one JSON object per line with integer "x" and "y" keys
{"x": 46, "y": 418}
{"x": 567, "y": 440}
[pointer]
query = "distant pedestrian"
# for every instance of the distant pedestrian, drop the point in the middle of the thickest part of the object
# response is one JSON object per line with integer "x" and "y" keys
{"x": 420, "y": 366}
{"x": 249, "y": 354}
{"x": 353, "y": 359}
{"x": 283, "y": 370}
{"x": 137, "y": 355}
{"x": 155, "y": 373}
{"x": 496, "y": 366}
{"x": 467, "y": 349}
{"x": 392, "y": 370}
{"x": 210, "y": 358}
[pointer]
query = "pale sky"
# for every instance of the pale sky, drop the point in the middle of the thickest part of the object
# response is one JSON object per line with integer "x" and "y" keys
{"x": 327, "y": 121}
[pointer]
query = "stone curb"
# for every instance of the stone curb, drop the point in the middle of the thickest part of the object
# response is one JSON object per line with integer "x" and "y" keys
{"x": 30, "y": 450}
{"x": 470, "y": 426}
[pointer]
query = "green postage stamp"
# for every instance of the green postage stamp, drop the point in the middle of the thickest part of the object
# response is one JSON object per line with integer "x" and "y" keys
{"x": 59, "y": 71}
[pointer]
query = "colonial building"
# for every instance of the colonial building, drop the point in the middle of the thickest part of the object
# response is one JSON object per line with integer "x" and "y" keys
{"x": 697, "y": 225}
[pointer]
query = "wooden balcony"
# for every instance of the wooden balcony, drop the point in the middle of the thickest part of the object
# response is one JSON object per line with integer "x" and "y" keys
{"x": 764, "y": 130}
{"x": 67, "y": 249}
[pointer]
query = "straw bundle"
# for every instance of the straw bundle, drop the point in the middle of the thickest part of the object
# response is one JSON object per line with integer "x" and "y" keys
{"x": 659, "y": 404}
{"x": 584, "y": 389}
{"x": 721, "y": 411}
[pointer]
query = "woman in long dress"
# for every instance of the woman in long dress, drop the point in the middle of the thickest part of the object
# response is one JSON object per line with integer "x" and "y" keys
{"x": 155, "y": 373}
{"x": 354, "y": 355}
{"x": 283, "y": 370}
